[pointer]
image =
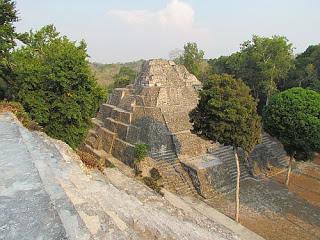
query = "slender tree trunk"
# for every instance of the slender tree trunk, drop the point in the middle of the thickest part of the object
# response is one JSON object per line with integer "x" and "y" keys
{"x": 289, "y": 170}
{"x": 238, "y": 184}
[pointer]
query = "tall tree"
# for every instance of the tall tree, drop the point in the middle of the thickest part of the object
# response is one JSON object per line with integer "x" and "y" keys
{"x": 192, "y": 59}
{"x": 293, "y": 116}
{"x": 8, "y": 36}
{"x": 306, "y": 73}
{"x": 226, "y": 113}
{"x": 262, "y": 63}
{"x": 269, "y": 59}
{"x": 54, "y": 83}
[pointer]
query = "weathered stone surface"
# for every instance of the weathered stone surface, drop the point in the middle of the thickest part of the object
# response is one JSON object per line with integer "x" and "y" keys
{"x": 46, "y": 193}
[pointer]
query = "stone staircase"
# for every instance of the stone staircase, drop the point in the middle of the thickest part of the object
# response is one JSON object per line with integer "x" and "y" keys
{"x": 276, "y": 150}
{"x": 226, "y": 155}
{"x": 175, "y": 178}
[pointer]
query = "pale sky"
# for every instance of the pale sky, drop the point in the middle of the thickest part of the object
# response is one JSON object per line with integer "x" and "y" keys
{"x": 126, "y": 30}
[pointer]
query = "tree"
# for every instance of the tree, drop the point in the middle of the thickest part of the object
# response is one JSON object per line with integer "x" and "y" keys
{"x": 293, "y": 116}
{"x": 125, "y": 76}
{"x": 54, "y": 83}
{"x": 226, "y": 64}
{"x": 270, "y": 60}
{"x": 262, "y": 63}
{"x": 226, "y": 113}
{"x": 8, "y": 35}
{"x": 192, "y": 59}
{"x": 306, "y": 73}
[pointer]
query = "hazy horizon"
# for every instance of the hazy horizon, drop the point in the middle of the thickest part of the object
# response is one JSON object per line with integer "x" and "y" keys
{"x": 123, "y": 31}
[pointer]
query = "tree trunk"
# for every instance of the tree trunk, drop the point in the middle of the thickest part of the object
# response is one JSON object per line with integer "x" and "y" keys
{"x": 289, "y": 170}
{"x": 238, "y": 185}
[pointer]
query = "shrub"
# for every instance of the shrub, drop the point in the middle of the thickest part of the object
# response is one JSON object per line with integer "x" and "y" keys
{"x": 154, "y": 173}
{"x": 293, "y": 117}
{"x": 151, "y": 183}
{"x": 141, "y": 151}
{"x": 53, "y": 81}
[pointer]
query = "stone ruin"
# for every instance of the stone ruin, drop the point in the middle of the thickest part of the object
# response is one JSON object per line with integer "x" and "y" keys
{"x": 154, "y": 110}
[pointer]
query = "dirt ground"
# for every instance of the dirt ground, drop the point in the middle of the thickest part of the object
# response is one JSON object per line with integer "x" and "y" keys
{"x": 276, "y": 212}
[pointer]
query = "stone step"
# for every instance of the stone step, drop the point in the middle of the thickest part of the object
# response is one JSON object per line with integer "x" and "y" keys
{"x": 166, "y": 158}
{"x": 118, "y": 114}
{"x": 175, "y": 178}
{"x": 222, "y": 150}
{"x": 120, "y": 128}
{"x": 162, "y": 154}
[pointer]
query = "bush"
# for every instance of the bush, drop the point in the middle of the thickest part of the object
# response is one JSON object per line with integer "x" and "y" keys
{"x": 17, "y": 109}
{"x": 293, "y": 117}
{"x": 151, "y": 183}
{"x": 141, "y": 151}
{"x": 155, "y": 175}
{"x": 53, "y": 81}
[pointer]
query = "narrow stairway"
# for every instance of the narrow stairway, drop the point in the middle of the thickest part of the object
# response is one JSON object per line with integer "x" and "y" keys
{"x": 226, "y": 155}
{"x": 175, "y": 178}
{"x": 276, "y": 150}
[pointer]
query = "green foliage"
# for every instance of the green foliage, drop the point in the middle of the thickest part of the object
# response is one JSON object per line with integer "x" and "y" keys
{"x": 54, "y": 83}
{"x": 8, "y": 16}
{"x": 125, "y": 76}
{"x": 8, "y": 36}
{"x": 227, "y": 113}
{"x": 306, "y": 73}
{"x": 192, "y": 59}
{"x": 262, "y": 63}
{"x": 140, "y": 151}
{"x": 154, "y": 173}
{"x": 226, "y": 64}
{"x": 105, "y": 72}
{"x": 293, "y": 116}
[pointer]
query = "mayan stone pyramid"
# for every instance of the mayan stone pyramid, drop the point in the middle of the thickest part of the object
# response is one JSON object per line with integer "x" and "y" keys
{"x": 154, "y": 110}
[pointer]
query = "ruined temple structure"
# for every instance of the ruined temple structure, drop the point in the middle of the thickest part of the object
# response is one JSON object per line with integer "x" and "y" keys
{"x": 154, "y": 110}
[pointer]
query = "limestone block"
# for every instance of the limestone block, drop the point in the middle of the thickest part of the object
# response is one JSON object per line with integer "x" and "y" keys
{"x": 190, "y": 144}
{"x": 105, "y": 110}
{"x": 123, "y": 151}
{"x": 120, "y": 115}
{"x": 117, "y": 127}
{"x": 107, "y": 138}
{"x": 133, "y": 136}
{"x": 117, "y": 95}
{"x": 93, "y": 140}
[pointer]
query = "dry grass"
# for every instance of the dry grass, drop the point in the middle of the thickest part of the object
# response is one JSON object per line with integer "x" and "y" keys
{"x": 153, "y": 184}
{"x": 18, "y": 111}
{"x": 90, "y": 161}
